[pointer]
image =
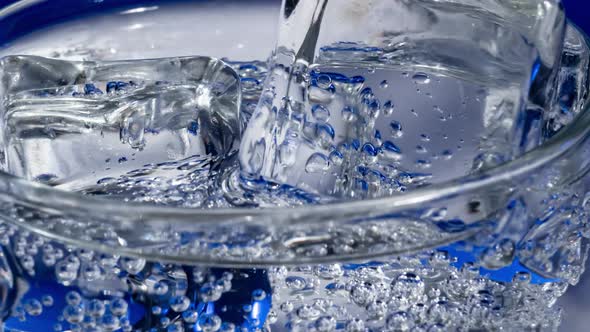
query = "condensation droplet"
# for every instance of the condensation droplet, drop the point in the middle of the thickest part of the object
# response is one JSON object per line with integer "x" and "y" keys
{"x": 421, "y": 78}
{"x": 317, "y": 163}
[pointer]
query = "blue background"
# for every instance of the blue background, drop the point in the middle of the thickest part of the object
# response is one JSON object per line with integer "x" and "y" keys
{"x": 579, "y": 12}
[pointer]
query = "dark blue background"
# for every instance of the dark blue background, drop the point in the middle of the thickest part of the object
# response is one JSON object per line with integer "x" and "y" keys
{"x": 579, "y": 12}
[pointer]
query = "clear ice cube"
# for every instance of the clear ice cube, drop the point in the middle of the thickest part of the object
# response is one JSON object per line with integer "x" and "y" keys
{"x": 368, "y": 98}
{"x": 73, "y": 124}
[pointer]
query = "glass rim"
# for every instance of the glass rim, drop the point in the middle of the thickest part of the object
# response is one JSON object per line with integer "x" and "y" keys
{"x": 567, "y": 140}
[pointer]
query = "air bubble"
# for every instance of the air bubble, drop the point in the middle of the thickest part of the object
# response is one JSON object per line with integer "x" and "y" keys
{"x": 95, "y": 308}
{"x": 73, "y": 314}
{"x": 73, "y": 298}
{"x": 258, "y": 295}
{"x": 110, "y": 322}
{"x": 33, "y": 307}
{"x": 66, "y": 273}
{"x": 377, "y": 309}
{"x": 307, "y": 312}
{"x": 209, "y": 323}
{"x": 160, "y": 288}
{"x": 156, "y": 310}
{"x": 325, "y": 324}
{"x": 190, "y": 316}
{"x": 132, "y": 265}
{"x": 47, "y": 300}
{"x": 119, "y": 307}
{"x": 210, "y": 292}
{"x": 179, "y": 303}
{"x": 227, "y": 327}
{"x": 400, "y": 321}
{"x": 286, "y": 307}
{"x": 355, "y": 325}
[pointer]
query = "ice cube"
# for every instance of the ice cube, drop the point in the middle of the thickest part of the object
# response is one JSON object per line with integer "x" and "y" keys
{"x": 71, "y": 124}
{"x": 411, "y": 93}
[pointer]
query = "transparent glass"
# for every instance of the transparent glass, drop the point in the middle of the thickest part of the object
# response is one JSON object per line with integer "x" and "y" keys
{"x": 380, "y": 74}
{"x": 492, "y": 249}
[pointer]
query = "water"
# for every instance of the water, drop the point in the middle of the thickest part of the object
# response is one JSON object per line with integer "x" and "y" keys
{"x": 376, "y": 132}
{"x": 396, "y": 129}
{"x": 68, "y": 288}
{"x": 507, "y": 68}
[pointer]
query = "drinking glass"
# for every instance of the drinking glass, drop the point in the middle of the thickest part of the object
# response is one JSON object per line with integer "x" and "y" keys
{"x": 490, "y": 250}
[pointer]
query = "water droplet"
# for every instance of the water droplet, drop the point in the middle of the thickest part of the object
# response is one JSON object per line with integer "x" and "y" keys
{"x": 447, "y": 154}
{"x": 295, "y": 283}
{"x": 257, "y": 153}
{"x": 320, "y": 96}
{"x": 325, "y": 134}
{"x": 317, "y": 163}
{"x": 324, "y": 81}
{"x": 396, "y": 129}
{"x": 388, "y": 107}
{"x": 423, "y": 163}
{"x": 320, "y": 113}
{"x": 348, "y": 114}
{"x": 336, "y": 158}
{"x": 421, "y": 149}
{"x": 421, "y": 78}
